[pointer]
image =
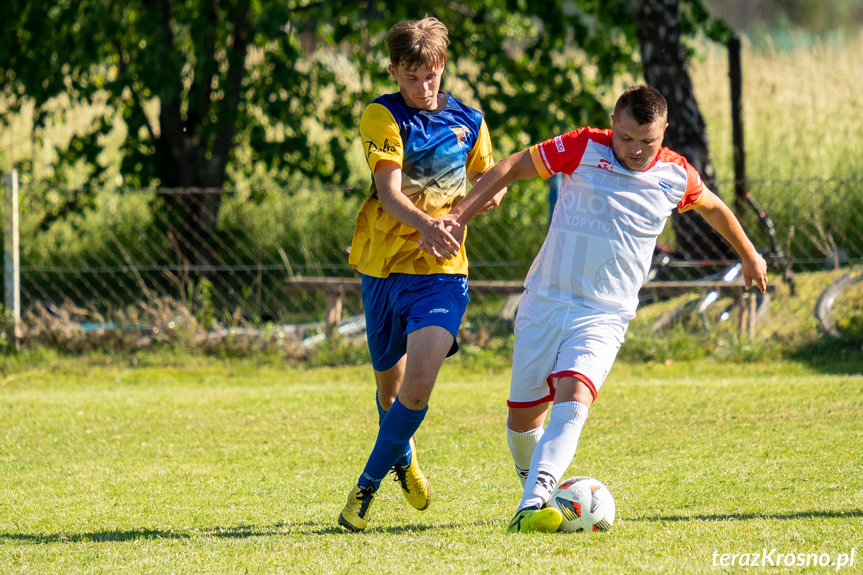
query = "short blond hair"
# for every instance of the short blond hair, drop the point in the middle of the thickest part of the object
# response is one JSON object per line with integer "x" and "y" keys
{"x": 413, "y": 43}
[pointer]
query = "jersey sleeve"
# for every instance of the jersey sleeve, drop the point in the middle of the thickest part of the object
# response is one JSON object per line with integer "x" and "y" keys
{"x": 693, "y": 197}
{"x": 381, "y": 137}
{"x": 480, "y": 157}
{"x": 560, "y": 154}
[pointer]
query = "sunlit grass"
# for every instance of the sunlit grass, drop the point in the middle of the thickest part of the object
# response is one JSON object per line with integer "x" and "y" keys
{"x": 209, "y": 466}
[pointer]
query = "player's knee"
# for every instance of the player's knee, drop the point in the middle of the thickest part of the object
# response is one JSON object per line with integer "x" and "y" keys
{"x": 415, "y": 393}
{"x": 521, "y": 420}
{"x": 573, "y": 389}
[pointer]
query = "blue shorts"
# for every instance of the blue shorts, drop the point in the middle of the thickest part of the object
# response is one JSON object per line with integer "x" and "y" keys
{"x": 401, "y": 303}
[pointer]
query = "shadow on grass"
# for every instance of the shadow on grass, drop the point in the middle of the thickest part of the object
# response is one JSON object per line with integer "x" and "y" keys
{"x": 239, "y": 532}
{"x": 315, "y": 528}
{"x": 831, "y": 356}
{"x": 749, "y": 516}
{"x": 108, "y": 536}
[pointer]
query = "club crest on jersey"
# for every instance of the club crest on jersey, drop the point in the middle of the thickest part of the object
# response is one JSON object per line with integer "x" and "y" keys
{"x": 605, "y": 165}
{"x": 666, "y": 188}
{"x": 461, "y": 133}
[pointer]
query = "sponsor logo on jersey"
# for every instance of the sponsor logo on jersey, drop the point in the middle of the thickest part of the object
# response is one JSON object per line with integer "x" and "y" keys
{"x": 385, "y": 148}
{"x": 605, "y": 165}
{"x": 439, "y": 310}
{"x": 558, "y": 143}
{"x": 461, "y": 133}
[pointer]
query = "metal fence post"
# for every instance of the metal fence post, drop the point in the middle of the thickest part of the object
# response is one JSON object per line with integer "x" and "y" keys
{"x": 11, "y": 255}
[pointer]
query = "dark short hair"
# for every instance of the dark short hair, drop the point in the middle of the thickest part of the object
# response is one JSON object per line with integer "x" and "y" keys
{"x": 644, "y": 103}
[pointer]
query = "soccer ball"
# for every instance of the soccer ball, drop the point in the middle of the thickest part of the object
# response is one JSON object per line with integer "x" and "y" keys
{"x": 585, "y": 503}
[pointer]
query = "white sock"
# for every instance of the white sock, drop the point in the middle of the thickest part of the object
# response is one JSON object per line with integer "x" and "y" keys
{"x": 521, "y": 446}
{"x": 554, "y": 452}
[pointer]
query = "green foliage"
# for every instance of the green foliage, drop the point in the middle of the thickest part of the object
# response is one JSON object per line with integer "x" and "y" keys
{"x": 199, "y": 294}
{"x": 339, "y": 352}
{"x": 678, "y": 345}
{"x": 192, "y": 81}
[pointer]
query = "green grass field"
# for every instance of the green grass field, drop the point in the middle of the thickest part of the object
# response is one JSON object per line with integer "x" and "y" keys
{"x": 191, "y": 465}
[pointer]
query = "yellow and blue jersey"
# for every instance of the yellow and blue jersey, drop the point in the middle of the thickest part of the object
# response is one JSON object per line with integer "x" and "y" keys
{"x": 435, "y": 149}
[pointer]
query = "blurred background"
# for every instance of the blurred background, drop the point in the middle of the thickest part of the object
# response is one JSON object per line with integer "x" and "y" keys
{"x": 176, "y": 168}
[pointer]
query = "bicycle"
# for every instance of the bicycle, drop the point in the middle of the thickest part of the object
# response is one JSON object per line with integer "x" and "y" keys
{"x": 666, "y": 264}
{"x": 701, "y": 310}
{"x": 839, "y": 309}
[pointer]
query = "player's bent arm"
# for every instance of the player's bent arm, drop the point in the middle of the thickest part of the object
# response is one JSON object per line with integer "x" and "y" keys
{"x": 721, "y": 218}
{"x": 436, "y": 239}
{"x": 518, "y": 166}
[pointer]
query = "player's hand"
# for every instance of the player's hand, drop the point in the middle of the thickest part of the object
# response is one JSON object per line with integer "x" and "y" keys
{"x": 755, "y": 270}
{"x": 454, "y": 227}
{"x": 437, "y": 238}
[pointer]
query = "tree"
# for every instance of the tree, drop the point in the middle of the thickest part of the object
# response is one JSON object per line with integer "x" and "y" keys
{"x": 660, "y": 28}
{"x": 212, "y": 90}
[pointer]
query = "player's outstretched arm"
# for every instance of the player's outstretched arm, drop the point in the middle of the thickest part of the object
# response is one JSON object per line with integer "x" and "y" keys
{"x": 453, "y": 228}
{"x": 720, "y": 217}
{"x": 474, "y": 178}
{"x": 490, "y": 187}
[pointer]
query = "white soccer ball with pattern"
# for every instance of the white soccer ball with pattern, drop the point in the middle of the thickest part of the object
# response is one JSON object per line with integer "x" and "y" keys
{"x": 585, "y": 503}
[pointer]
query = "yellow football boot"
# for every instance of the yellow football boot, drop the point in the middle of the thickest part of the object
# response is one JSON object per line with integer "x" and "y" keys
{"x": 355, "y": 515}
{"x": 529, "y": 520}
{"x": 414, "y": 484}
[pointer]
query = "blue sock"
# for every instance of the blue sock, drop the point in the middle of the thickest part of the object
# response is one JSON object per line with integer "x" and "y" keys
{"x": 397, "y": 428}
{"x": 405, "y": 459}
{"x": 381, "y": 411}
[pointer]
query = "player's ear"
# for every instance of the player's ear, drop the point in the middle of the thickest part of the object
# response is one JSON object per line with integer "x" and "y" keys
{"x": 392, "y": 70}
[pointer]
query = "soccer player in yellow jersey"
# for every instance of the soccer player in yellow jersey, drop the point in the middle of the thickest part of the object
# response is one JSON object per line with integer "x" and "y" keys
{"x": 422, "y": 146}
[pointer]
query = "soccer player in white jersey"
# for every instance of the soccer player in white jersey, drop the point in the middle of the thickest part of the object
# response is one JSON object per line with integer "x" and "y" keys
{"x": 618, "y": 189}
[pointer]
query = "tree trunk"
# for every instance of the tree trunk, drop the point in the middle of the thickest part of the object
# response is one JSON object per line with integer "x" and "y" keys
{"x": 665, "y": 68}
{"x": 196, "y": 148}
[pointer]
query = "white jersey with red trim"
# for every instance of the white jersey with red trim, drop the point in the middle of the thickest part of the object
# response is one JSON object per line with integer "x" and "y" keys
{"x": 606, "y": 220}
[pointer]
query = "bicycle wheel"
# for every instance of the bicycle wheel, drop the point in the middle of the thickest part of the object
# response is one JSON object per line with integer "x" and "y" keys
{"x": 685, "y": 315}
{"x": 704, "y": 313}
{"x": 840, "y": 307}
{"x": 762, "y": 306}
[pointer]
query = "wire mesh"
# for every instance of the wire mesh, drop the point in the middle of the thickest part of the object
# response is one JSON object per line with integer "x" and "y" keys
{"x": 227, "y": 255}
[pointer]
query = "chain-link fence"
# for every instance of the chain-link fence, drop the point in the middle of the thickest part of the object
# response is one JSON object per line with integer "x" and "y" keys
{"x": 114, "y": 258}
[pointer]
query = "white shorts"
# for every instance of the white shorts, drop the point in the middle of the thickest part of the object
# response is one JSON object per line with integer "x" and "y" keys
{"x": 555, "y": 338}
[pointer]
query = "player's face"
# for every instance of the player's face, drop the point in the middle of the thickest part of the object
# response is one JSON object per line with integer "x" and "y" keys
{"x": 419, "y": 87}
{"x": 636, "y": 145}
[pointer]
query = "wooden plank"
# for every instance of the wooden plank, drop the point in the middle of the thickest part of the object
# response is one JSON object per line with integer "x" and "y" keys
{"x": 336, "y": 288}
{"x": 676, "y": 288}
{"x": 353, "y": 285}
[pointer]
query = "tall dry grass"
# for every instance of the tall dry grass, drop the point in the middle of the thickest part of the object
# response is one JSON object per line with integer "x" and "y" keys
{"x": 803, "y": 109}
